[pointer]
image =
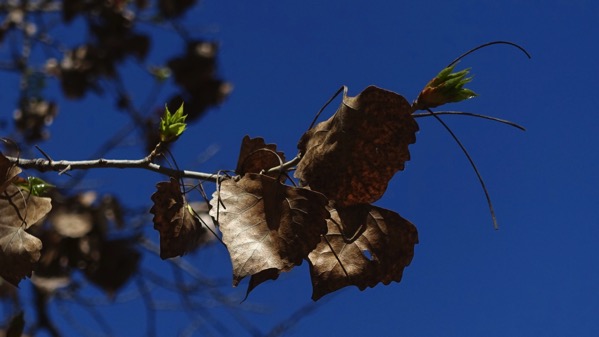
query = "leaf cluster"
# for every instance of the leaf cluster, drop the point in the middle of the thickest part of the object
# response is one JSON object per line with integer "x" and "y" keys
{"x": 269, "y": 226}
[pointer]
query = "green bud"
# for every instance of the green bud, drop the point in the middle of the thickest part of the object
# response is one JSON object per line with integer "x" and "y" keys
{"x": 36, "y": 186}
{"x": 446, "y": 87}
{"x": 172, "y": 125}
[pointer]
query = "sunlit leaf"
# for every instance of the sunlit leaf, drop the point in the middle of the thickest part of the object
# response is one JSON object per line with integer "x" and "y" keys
{"x": 268, "y": 227}
{"x": 19, "y": 250}
{"x": 19, "y": 210}
{"x": 172, "y": 125}
{"x": 365, "y": 245}
{"x": 36, "y": 186}
{"x": 351, "y": 157}
{"x": 255, "y": 156}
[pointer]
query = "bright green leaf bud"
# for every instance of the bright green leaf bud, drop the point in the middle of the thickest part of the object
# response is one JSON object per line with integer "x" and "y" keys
{"x": 446, "y": 87}
{"x": 172, "y": 125}
{"x": 35, "y": 186}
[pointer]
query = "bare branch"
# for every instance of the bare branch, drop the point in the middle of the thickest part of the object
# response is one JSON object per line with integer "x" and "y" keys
{"x": 62, "y": 166}
{"x": 44, "y": 165}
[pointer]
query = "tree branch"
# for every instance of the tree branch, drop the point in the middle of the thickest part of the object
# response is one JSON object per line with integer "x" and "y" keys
{"x": 62, "y": 166}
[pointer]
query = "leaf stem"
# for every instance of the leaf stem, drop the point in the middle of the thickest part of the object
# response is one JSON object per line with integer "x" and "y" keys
{"x": 43, "y": 165}
{"x": 62, "y": 166}
{"x": 478, "y": 175}
{"x": 342, "y": 89}
{"x": 486, "y": 45}
{"x": 470, "y": 114}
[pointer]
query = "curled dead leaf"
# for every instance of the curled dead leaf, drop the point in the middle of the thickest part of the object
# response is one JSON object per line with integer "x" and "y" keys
{"x": 351, "y": 157}
{"x": 364, "y": 245}
{"x": 19, "y": 250}
{"x": 255, "y": 155}
{"x": 180, "y": 232}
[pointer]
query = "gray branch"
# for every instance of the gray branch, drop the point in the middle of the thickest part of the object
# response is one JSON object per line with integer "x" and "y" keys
{"x": 43, "y": 165}
{"x": 62, "y": 166}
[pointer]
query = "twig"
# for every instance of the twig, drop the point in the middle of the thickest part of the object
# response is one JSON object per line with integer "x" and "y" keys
{"x": 470, "y": 114}
{"x": 478, "y": 175}
{"x": 484, "y": 45}
{"x": 44, "y": 165}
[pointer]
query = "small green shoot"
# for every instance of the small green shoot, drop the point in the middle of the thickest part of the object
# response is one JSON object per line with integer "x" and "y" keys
{"x": 446, "y": 87}
{"x": 172, "y": 125}
{"x": 36, "y": 186}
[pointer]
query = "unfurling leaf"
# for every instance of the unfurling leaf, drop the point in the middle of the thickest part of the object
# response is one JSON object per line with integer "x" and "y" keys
{"x": 172, "y": 125}
{"x": 364, "y": 245}
{"x": 180, "y": 232}
{"x": 19, "y": 210}
{"x": 351, "y": 157}
{"x": 446, "y": 87}
{"x": 36, "y": 186}
{"x": 255, "y": 155}
{"x": 268, "y": 227}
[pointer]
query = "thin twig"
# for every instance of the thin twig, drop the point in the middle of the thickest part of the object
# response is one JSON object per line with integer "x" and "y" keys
{"x": 342, "y": 89}
{"x": 478, "y": 175}
{"x": 44, "y": 165}
{"x": 486, "y": 45}
{"x": 470, "y": 114}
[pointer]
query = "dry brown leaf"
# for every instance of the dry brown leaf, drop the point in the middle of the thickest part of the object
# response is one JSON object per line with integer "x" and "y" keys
{"x": 8, "y": 172}
{"x": 268, "y": 227}
{"x": 255, "y": 156}
{"x": 117, "y": 262}
{"x": 180, "y": 232}
{"x": 369, "y": 245}
{"x": 351, "y": 157}
{"x": 19, "y": 250}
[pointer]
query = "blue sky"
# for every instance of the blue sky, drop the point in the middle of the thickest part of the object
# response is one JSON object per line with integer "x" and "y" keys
{"x": 536, "y": 276}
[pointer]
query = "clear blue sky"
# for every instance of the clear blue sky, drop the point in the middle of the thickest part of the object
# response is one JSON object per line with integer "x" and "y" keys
{"x": 539, "y": 274}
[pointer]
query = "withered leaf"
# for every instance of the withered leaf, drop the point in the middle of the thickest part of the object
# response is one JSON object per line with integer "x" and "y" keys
{"x": 255, "y": 156}
{"x": 268, "y": 227}
{"x": 19, "y": 250}
{"x": 117, "y": 262}
{"x": 180, "y": 232}
{"x": 364, "y": 245}
{"x": 8, "y": 171}
{"x": 351, "y": 157}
